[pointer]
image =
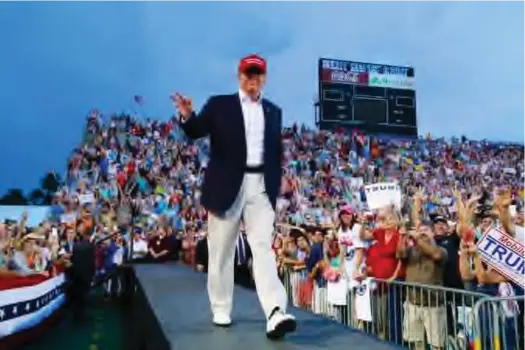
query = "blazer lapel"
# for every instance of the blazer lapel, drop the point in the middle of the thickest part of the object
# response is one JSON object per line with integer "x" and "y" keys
{"x": 267, "y": 111}
{"x": 238, "y": 115}
{"x": 238, "y": 118}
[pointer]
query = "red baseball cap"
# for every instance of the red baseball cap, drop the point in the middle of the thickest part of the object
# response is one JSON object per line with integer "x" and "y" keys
{"x": 346, "y": 210}
{"x": 254, "y": 63}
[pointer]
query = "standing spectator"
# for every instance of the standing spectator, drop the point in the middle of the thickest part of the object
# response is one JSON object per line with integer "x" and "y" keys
{"x": 314, "y": 265}
{"x": 82, "y": 273}
{"x": 139, "y": 246}
{"x": 175, "y": 244}
{"x": 291, "y": 260}
{"x": 352, "y": 253}
{"x": 450, "y": 242}
{"x": 159, "y": 246}
{"x": 69, "y": 242}
{"x": 336, "y": 284}
{"x": 111, "y": 252}
{"x": 383, "y": 264}
{"x": 424, "y": 312}
{"x": 23, "y": 257}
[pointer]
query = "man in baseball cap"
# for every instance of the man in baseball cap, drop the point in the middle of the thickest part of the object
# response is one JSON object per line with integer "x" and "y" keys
{"x": 440, "y": 225}
{"x": 246, "y": 157}
{"x": 252, "y": 76}
{"x": 252, "y": 65}
{"x": 449, "y": 241}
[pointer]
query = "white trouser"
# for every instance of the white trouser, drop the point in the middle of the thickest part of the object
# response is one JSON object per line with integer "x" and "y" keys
{"x": 253, "y": 206}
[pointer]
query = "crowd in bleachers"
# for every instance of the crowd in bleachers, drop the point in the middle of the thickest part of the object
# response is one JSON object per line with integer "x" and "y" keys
{"x": 133, "y": 185}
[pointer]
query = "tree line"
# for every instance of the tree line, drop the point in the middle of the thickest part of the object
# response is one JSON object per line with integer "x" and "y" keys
{"x": 43, "y": 195}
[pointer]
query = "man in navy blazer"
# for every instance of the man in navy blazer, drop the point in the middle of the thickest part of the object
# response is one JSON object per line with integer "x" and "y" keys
{"x": 242, "y": 181}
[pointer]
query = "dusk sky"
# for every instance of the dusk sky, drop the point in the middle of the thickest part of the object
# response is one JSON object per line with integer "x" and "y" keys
{"x": 59, "y": 60}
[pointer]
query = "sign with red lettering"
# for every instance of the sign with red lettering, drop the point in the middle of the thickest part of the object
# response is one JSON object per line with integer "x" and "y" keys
{"x": 504, "y": 254}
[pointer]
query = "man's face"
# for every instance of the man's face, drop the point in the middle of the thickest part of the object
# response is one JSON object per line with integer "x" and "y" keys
{"x": 70, "y": 234}
{"x": 426, "y": 230}
{"x": 29, "y": 246}
{"x": 252, "y": 82}
{"x": 441, "y": 228}
{"x": 486, "y": 223}
{"x": 318, "y": 237}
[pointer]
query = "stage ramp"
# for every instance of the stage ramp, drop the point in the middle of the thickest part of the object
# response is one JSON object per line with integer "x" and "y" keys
{"x": 170, "y": 310}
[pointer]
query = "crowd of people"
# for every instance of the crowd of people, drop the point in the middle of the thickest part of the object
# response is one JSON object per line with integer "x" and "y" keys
{"x": 132, "y": 187}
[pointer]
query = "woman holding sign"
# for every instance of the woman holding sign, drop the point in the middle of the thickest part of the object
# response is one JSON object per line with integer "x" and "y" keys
{"x": 383, "y": 264}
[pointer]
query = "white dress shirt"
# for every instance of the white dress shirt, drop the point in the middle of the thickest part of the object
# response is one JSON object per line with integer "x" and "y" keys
{"x": 254, "y": 126}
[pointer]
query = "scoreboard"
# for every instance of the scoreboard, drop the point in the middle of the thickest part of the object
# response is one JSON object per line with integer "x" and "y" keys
{"x": 375, "y": 98}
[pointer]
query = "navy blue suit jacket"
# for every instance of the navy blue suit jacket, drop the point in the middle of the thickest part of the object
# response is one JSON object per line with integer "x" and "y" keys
{"x": 222, "y": 120}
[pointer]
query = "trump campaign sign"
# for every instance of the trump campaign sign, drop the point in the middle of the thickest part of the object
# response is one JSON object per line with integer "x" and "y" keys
{"x": 379, "y": 195}
{"x": 504, "y": 254}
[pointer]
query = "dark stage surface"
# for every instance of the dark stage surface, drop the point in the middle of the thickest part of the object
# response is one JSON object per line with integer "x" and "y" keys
{"x": 176, "y": 296}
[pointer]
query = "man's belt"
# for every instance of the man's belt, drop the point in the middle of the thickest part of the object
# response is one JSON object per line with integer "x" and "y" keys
{"x": 254, "y": 169}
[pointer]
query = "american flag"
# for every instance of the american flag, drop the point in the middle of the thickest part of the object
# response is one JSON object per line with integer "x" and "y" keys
{"x": 138, "y": 99}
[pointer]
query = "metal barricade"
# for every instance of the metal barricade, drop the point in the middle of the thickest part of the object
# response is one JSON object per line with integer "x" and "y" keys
{"x": 421, "y": 316}
{"x": 498, "y": 323}
{"x": 412, "y": 315}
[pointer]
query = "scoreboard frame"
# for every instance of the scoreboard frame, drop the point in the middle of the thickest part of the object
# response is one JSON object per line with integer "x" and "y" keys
{"x": 375, "y": 98}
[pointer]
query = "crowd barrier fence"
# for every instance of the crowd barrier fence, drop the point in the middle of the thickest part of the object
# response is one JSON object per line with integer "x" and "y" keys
{"x": 412, "y": 315}
{"x": 415, "y": 316}
{"x": 497, "y": 323}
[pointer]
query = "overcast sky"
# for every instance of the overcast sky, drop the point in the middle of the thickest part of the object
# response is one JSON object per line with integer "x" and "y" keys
{"x": 58, "y": 60}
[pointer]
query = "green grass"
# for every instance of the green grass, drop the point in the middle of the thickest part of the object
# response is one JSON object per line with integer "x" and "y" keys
{"x": 102, "y": 329}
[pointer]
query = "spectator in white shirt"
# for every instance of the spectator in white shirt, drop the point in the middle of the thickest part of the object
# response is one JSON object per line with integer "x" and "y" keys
{"x": 140, "y": 247}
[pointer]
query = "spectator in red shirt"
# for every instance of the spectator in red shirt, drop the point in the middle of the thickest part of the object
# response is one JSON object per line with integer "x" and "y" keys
{"x": 383, "y": 264}
{"x": 381, "y": 258}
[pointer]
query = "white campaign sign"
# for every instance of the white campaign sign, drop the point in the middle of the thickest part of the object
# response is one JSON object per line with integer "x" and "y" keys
{"x": 380, "y": 195}
{"x": 337, "y": 291}
{"x": 504, "y": 254}
{"x": 362, "y": 301}
{"x": 86, "y": 198}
